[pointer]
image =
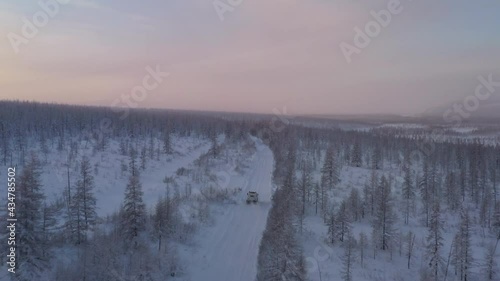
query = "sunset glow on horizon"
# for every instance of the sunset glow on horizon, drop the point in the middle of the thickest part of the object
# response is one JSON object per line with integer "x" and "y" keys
{"x": 250, "y": 57}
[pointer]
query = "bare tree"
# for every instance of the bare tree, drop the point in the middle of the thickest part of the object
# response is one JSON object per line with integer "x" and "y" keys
{"x": 348, "y": 257}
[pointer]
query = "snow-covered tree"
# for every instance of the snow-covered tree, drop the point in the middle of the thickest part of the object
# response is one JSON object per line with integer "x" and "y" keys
{"x": 426, "y": 190}
{"x": 355, "y": 205}
{"x": 490, "y": 265}
{"x": 317, "y": 197}
{"x": 452, "y": 191}
{"x": 33, "y": 257}
{"x": 83, "y": 203}
{"x": 134, "y": 209}
{"x": 166, "y": 216}
{"x": 329, "y": 177}
{"x": 280, "y": 253}
{"x": 304, "y": 186}
{"x": 377, "y": 158}
{"x": 167, "y": 143}
{"x": 332, "y": 227}
{"x": 348, "y": 257}
{"x": 369, "y": 194}
{"x": 357, "y": 156}
{"x": 435, "y": 243}
{"x": 343, "y": 222}
{"x": 410, "y": 244}
{"x": 144, "y": 157}
{"x": 463, "y": 252}
{"x": 384, "y": 219}
{"x": 363, "y": 242}
{"x": 496, "y": 222}
{"x": 408, "y": 193}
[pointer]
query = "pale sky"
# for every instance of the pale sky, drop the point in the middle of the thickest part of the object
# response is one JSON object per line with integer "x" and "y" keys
{"x": 264, "y": 55}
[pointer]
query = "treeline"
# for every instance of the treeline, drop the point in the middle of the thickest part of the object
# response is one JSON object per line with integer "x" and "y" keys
{"x": 280, "y": 252}
{"x": 25, "y": 125}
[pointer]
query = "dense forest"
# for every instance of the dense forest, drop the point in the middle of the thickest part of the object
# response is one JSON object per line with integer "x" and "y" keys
{"x": 427, "y": 206}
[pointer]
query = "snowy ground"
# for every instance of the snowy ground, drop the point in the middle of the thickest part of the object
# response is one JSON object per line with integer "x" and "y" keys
{"x": 223, "y": 248}
{"x": 324, "y": 263}
{"x": 228, "y": 249}
{"x": 110, "y": 181}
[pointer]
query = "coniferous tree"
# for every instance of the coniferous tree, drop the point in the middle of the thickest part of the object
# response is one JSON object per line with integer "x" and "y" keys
{"x": 356, "y": 157}
{"x": 384, "y": 219}
{"x": 280, "y": 254}
{"x": 49, "y": 224}
{"x": 426, "y": 190}
{"x": 452, "y": 191}
{"x": 329, "y": 177}
{"x": 363, "y": 241}
{"x": 305, "y": 185}
{"x": 435, "y": 243}
{"x": 167, "y": 143}
{"x": 496, "y": 222}
{"x": 151, "y": 146}
{"x": 463, "y": 252}
{"x": 377, "y": 158}
{"x": 5, "y": 141}
{"x": 332, "y": 227}
{"x": 408, "y": 193}
{"x": 134, "y": 209}
{"x": 143, "y": 158}
{"x": 165, "y": 219}
{"x": 355, "y": 205}
{"x": 343, "y": 222}
{"x": 30, "y": 240}
{"x": 316, "y": 197}
{"x": 410, "y": 244}
{"x": 348, "y": 257}
{"x": 214, "y": 150}
{"x": 369, "y": 193}
{"x": 490, "y": 262}
{"x": 83, "y": 203}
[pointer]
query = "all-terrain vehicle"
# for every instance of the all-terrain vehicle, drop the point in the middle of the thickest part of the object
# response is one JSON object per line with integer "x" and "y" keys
{"x": 252, "y": 196}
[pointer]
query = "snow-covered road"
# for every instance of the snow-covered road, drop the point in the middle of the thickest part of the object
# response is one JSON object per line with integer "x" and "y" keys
{"x": 228, "y": 250}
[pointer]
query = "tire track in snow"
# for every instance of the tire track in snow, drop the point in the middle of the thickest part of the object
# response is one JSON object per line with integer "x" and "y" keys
{"x": 229, "y": 249}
